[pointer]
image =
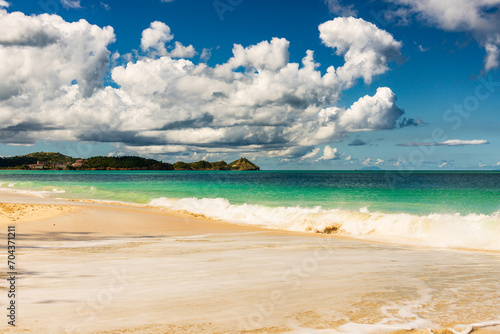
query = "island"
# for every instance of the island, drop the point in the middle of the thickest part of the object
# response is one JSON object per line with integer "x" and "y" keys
{"x": 240, "y": 164}
{"x": 58, "y": 161}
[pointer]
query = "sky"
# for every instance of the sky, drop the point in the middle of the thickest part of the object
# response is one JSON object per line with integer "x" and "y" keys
{"x": 316, "y": 84}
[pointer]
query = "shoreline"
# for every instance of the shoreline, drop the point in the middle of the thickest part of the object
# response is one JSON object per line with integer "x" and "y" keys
{"x": 193, "y": 271}
{"x": 69, "y": 204}
{"x": 21, "y": 196}
{"x": 74, "y": 208}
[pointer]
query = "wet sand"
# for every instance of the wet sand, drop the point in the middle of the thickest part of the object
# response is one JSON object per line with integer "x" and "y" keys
{"x": 95, "y": 268}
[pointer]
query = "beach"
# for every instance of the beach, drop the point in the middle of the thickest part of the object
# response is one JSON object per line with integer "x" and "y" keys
{"x": 86, "y": 267}
{"x": 255, "y": 167}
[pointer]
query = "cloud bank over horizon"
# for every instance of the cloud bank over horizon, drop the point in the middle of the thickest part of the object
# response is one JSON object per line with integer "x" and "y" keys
{"x": 164, "y": 103}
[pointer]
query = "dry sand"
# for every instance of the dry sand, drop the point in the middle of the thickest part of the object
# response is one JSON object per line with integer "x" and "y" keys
{"x": 96, "y": 268}
{"x": 18, "y": 213}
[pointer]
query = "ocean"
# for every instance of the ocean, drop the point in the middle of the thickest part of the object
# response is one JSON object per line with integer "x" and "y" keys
{"x": 435, "y": 209}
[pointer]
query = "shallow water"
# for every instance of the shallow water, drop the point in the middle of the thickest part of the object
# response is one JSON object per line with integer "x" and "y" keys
{"x": 408, "y": 192}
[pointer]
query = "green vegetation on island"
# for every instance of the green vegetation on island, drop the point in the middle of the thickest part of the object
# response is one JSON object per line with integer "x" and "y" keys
{"x": 51, "y": 156}
{"x": 49, "y": 160}
{"x": 243, "y": 164}
{"x": 16, "y": 162}
{"x": 58, "y": 161}
{"x": 240, "y": 164}
{"x": 126, "y": 162}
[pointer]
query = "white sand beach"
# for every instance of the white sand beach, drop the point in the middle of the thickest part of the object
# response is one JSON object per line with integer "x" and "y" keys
{"x": 99, "y": 268}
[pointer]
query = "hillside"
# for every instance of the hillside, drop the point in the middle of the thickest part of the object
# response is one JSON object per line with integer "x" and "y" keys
{"x": 201, "y": 165}
{"x": 240, "y": 164}
{"x": 21, "y": 161}
{"x": 50, "y": 156}
{"x": 243, "y": 164}
{"x": 126, "y": 162}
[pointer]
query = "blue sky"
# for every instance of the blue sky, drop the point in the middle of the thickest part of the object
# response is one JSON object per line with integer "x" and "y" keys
{"x": 415, "y": 84}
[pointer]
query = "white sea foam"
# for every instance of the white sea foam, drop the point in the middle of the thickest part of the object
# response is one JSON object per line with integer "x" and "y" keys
{"x": 399, "y": 316}
{"x": 35, "y": 193}
{"x": 473, "y": 231}
{"x": 352, "y": 328}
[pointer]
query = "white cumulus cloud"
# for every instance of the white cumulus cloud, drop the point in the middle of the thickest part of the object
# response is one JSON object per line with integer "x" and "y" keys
{"x": 372, "y": 112}
{"x": 479, "y": 17}
{"x": 262, "y": 56}
{"x": 256, "y": 102}
{"x": 311, "y": 154}
{"x": 155, "y": 37}
{"x": 372, "y": 161}
{"x": 366, "y": 49}
{"x": 206, "y": 54}
{"x": 181, "y": 51}
{"x": 43, "y": 53}
{"x": 330, "y": 153}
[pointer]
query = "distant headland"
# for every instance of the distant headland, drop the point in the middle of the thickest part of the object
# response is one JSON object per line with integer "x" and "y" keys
{"x": 58, "y": 161}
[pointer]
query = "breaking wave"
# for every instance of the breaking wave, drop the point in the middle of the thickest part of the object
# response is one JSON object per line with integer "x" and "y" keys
{"x": 472, "y": 231}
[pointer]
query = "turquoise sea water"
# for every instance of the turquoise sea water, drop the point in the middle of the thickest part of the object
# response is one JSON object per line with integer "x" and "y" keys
{"x": 420, "y": 193}
{"x": 359, "y": 202}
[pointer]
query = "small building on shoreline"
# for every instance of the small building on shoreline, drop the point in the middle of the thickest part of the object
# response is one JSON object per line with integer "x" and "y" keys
{"x": 78, "y": 163}
{"x": 38, "y": 165}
